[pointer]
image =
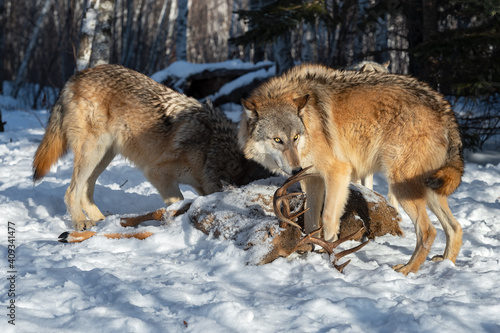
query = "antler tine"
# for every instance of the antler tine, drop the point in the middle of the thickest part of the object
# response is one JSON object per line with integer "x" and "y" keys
{"x": 349, "y": 237}
{"x": 341, "y": 267}
{"x": 281, "y": 216}
{"x": 281, "y": 197}
{"x": 351, "y": 250}
{"x": 330, "y": 246}
{"x": 285, "y": 199}
{"x": 295, "y": 178}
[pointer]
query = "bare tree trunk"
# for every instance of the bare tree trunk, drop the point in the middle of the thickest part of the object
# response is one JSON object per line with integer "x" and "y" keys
{"x": 236, "y": 28}
{"x": 170, "y": 43}
{"x": 429, "y": 30}
{"x": 101, "y": 44}
{"x": 135, "y": 26}
{"x": 309, "y": 52}
{"x": 359, "y": 42}
{"x": 23, "y": 69}
{"x": 397, "y": 31}
{"x": 182, "y": 30}
{"x": 141, "y": 34}
{"x": 343, "y": 39}
{"x": 160, "y": 36}
{"x": 62, "y": 33}
{"x": 127, "y": 29}
{"x": 381, "y": 37}
{"x": 217, "y": 30}
{"x": 282, "y": 54}
{"x": 333, "y": 31}
{"x": 86, "y": 35}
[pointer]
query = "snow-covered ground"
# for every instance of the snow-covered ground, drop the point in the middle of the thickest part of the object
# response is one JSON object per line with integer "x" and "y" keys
{"x": 180, "y": 280}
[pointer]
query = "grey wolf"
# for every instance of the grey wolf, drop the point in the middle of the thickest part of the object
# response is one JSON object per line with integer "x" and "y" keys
{"x": 350, "y": 124}
{"x": 109, "y": 110}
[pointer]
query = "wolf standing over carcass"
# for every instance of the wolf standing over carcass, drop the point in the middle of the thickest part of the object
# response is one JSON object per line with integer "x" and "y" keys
{"x": 109, "y": 110}
{"x": 350, "y": 124}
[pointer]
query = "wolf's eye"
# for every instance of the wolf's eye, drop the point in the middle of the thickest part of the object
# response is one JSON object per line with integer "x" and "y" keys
{"x": 278, "y": 140}
{"x": 296, "y": 137}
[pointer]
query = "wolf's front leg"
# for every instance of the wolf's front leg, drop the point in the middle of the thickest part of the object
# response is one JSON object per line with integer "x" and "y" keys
{"x": 166, "y": 185}
{"x": 336, "y": 195}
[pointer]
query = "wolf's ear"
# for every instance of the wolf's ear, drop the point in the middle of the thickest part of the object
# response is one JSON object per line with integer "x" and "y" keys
{"x": 367, "y": 68}
{"x": 301, "y": 103}
{"x": 250, "y": 109}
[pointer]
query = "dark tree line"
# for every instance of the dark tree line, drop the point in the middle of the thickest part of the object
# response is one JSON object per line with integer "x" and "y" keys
{"x": 452, "y": 44}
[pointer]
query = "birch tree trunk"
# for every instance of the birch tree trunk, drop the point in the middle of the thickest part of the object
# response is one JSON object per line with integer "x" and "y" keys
{"x": 101, "y": 44}
{"x": 87, "y": 33}
{"x": 218, "y": 29}
{"x": 23, "y": 69}
{"x": 169, "y": 42}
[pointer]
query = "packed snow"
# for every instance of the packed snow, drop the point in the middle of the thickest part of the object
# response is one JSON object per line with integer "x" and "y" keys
{"x": 181, "y": 280}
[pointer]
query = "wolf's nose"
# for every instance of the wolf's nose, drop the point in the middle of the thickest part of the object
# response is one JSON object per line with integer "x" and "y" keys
{"x": 296, "y": 170}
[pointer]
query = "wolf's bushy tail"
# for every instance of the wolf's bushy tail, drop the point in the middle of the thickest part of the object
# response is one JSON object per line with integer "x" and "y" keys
{"x": 447, "y": 179}
{"x": 54, "y": 143}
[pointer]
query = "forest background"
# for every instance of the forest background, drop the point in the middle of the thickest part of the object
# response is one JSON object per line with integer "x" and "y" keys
{"x": 454, "y": 45}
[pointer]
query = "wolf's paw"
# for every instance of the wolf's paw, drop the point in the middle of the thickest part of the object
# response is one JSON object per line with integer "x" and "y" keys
{"x": 84, "y": 225}
{"x": 437, "y": 258}
{"x": 404, "y": 269}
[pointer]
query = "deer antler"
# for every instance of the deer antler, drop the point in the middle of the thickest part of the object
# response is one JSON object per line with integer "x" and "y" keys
{"x": 282, "y": 197}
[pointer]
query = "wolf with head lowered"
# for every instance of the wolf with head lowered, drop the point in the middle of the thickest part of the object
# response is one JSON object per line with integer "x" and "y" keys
{"x": 351, "y": 124}
{"x": 109, "y": 110}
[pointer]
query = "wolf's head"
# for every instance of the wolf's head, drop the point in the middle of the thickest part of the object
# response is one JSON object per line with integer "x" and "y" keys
{"x": 272, "y": 132}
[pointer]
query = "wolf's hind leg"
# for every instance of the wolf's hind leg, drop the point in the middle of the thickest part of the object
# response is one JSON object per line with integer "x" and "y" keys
{"x": 88, "y": 155}
{"x": 438, "y": 204}
{"x": 392, "y": 200}
{"x": 73, "y": 203}
{"x": 88, "y": 204}
{"x": 412, "y": 199}
{"x": 368, "y": 181}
